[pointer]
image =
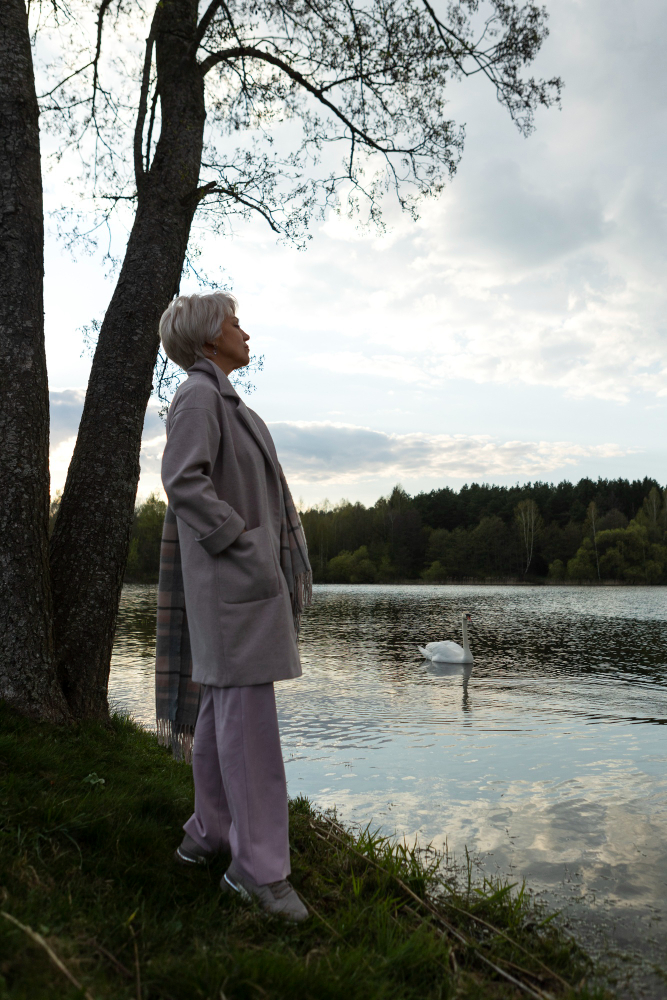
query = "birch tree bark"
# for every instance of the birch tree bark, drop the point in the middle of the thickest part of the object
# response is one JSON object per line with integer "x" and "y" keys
{"x": 528, "y": 520}
{"x": 28, "y": 677}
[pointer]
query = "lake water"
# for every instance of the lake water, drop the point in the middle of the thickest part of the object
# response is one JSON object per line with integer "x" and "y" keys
{"x": 549, "y": 763}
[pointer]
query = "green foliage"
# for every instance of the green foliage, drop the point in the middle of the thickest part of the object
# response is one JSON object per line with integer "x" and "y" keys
{"x": 143, "y": 562}
{"x": 556, "y": 571}
{"x": 558, "y": 504}
{"x": 636, "y": 553}
{"x": 352, "y": 567}
{"x": 539, "y": 531}
{"x": 482, "y": 532}
{"x": 625, "y": 554}
{"x": 85, "y": 862}
{"x": 350, "y": 543}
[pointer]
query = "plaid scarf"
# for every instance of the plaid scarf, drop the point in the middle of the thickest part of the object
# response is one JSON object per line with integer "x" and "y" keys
{"x": 176, "y": 694}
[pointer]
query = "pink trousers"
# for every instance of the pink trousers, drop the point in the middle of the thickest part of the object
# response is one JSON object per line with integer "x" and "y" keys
{"x": 240, "y": 787}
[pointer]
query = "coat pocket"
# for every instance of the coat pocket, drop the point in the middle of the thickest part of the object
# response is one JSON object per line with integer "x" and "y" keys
{"x": 246, "y": 569}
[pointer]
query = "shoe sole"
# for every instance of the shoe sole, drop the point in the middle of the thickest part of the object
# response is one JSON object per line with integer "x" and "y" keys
{"x": 188, "y": 861}
{"x": 243, "y": 893}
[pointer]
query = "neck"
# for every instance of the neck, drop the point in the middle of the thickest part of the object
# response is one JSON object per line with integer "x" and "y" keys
{"x": 224, "y": 364}
{"x": 464, "y": 625}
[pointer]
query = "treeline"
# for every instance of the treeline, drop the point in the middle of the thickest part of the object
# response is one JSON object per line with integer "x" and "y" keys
{"x": 587, "y": 531}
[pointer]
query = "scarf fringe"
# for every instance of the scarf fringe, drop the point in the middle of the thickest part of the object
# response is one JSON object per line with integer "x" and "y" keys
{"x": 302, "y": 596}
{"x": 179, "y": 738}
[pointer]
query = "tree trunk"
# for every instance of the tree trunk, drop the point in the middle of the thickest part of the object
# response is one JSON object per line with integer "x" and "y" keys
{"x": 28, "y": 677}
{"x": 90, "y": 541}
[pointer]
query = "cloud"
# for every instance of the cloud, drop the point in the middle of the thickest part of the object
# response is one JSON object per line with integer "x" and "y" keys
{"x": 393, "y": 366}
{"x": 502, "y": 217}
{"x": 542, "y": 263}
{"x": 321, "y": 452}
{"x": 541, "y": 266}
{"x": 66, "y": 406}
{"x": 581, "y": 317}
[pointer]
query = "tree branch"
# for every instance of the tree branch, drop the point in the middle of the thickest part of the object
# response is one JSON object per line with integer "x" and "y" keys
{"x": 250, "y": 52}
{"x": 496, "y": 65}
{"x": 40, "y": 97}
{"x": 104, "y": 6}
{"x": 207, "y": 17}
{"x": 139, "y": 171}
{"x": 214, "y": 188}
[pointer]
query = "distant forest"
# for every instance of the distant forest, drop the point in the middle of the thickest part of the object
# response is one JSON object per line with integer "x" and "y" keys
{"x": 590, "y": 531}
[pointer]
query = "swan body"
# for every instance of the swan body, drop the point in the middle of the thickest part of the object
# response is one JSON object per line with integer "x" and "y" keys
{"x": 448, "y": 651}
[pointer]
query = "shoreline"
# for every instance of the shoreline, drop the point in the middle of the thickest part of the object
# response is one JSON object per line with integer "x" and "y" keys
{"x": 469, "y": 582}
{"x": 87, "y": 875}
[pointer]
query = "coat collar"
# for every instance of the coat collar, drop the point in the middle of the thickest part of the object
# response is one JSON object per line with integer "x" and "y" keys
{"x": 227, "y": 389}
{"x": 225, "y": 386}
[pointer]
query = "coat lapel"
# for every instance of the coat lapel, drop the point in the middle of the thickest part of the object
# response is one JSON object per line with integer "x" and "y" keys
{"x": 227, "y": 389}
{"x": 246, "y": 416}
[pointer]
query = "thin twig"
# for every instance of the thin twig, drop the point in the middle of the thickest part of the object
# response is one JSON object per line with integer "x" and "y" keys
{"x": 497, "y": 930}
{"x": 123, "y": 969}
{"x": 136, "y": 962}
{"x": 38, "y": 939}
{"x": 469, "y": 943}
{"x": 139, "y": 170}
{"x": 40, "y": 97}
{"x": 491, "y": 927}
{"x": 318, "y": 915}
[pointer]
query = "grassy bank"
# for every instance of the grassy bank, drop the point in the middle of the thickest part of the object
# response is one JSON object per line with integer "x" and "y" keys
{"x": 89, "y": 818}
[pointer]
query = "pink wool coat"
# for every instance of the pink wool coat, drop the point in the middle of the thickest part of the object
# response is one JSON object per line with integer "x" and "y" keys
{"x": 221, "y": 475}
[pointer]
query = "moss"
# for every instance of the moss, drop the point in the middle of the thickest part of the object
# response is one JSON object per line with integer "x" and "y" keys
{"x": 89, "y": 818}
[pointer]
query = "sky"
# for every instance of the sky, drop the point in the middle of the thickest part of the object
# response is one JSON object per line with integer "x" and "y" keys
{"x": 517, "y": 331}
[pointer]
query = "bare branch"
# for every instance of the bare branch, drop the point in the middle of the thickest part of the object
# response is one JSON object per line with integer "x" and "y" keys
{"x": 143, "y": 100}
{"x": 82, "y": 69}
{"x": 202, "y": 27}
{"x": 250, "y": 52}
{"x": 371, "y": 75}
{"x": 255, "y": 206}
{"x": 104, "y": 6}
{"x": 500, "y": 63}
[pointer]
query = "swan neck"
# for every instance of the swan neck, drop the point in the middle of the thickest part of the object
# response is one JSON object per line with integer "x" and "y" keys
{"x": 464, "y": 625}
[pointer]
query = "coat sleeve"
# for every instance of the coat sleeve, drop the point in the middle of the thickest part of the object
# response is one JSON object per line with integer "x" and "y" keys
{"x": 189, "y": 456}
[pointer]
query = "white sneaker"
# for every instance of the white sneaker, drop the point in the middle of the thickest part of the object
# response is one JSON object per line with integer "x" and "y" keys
{"x": 277, "y": 898}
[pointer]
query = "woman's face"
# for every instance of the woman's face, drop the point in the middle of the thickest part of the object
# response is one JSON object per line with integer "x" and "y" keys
{"x": 231, "y": 345}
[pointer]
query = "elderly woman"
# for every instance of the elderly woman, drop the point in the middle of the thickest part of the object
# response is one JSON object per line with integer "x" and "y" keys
{"x": 232, "y": 529}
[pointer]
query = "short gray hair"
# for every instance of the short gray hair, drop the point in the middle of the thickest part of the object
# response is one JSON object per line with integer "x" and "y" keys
{"x": 190, "y": 321}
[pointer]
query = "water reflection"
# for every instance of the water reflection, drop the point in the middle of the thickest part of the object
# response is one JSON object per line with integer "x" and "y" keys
{"x": 462, "y": 670}
{"x": 547, "y": 758}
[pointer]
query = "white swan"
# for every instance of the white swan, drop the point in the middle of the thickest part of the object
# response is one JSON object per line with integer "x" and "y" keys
{"x": 449, "y": 652}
